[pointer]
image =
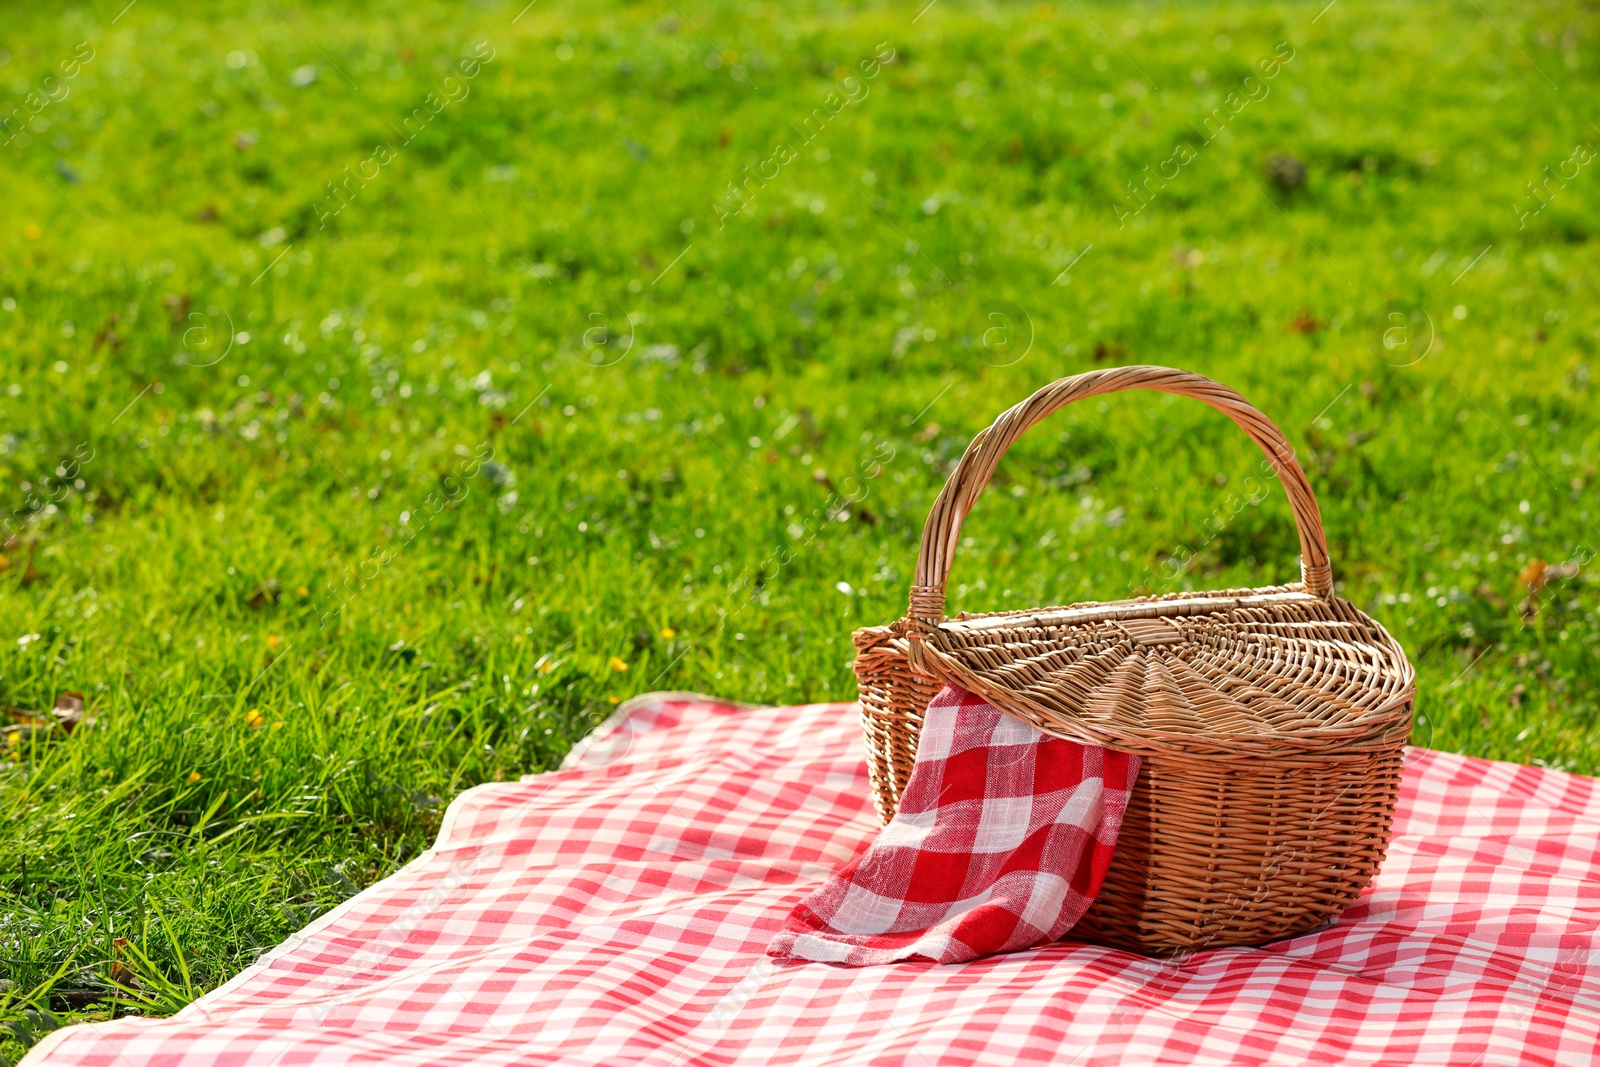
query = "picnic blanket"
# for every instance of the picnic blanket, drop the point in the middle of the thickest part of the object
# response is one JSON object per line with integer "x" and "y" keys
{"x": 618, "y": 912}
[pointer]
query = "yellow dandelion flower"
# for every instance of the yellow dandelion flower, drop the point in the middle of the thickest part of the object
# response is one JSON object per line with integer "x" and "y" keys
{"x": 614, "y": 700}
{"x": 194, "y": 776}
{"x": 278, "y": 725}
{"x": 273, "y": 640}
{"x": 617, "y": 664}
{"x": 303, "y": 591}
{"x": 33, "y": 233}
{"x": 14, "y": 755}
{"x": 254, "y": 718}
{"x": 668, "y": 633}
{"x": 546, "y": 665}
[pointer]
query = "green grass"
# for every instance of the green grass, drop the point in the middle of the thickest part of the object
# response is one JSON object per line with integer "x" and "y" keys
{"x": 316, "y": 582}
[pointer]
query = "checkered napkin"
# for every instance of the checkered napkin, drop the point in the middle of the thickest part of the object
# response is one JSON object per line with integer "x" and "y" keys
{"x": 1001, "y": 840}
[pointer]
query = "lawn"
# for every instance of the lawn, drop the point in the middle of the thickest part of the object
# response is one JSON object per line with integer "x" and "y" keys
{"x": 387, "y": 393}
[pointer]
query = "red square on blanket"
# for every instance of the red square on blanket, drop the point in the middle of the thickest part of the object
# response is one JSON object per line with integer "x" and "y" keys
{"x": 1001, "y": 840}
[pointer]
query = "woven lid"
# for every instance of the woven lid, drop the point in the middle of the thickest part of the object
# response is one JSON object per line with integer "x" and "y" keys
{"x": 1282, "y": 671}
{"x": 1260, "y": 671}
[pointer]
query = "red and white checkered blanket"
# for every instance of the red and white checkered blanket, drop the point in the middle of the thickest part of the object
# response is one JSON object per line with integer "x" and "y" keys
{"x": 619, "y": 912}
{"x": 1002, "y": 838}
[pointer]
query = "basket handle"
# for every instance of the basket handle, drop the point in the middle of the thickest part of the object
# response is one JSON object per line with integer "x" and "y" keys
{"x": 943, "y": 529}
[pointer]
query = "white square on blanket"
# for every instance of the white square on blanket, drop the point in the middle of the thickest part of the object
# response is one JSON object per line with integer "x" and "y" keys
{"x": 1046, "y": 894}
{"x": 908, "y": 828}
{"x": 864, "y": 912}
{"x": 1004, "y": 824}
{"x": 1009, "y": 731}
{"x": 1085, "y": 806}
{"x": 938, "y": 733}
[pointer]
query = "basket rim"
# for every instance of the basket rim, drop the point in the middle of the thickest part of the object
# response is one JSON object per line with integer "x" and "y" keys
{"x": 1372, "y": 730}
{"x": 1165, "y": 605}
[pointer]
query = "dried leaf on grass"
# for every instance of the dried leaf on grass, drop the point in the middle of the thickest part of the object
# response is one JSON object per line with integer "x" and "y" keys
{"x": 68, "y": 711}
{"x": 268, "y": 592}
{"x": 26, "y": 725}
{"x": 1538, "y": 574}
{"x": 144, "y": 983}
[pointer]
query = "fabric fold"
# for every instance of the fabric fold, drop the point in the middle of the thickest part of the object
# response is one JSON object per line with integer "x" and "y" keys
{"x": 1002, "y": 839}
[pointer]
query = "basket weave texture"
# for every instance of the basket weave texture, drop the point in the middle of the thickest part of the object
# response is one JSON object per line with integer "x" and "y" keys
{"x": 1271, "y": 721}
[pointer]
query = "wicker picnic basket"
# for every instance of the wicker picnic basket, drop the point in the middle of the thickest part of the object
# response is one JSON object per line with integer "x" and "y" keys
{"x": 1270, "y": 721}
